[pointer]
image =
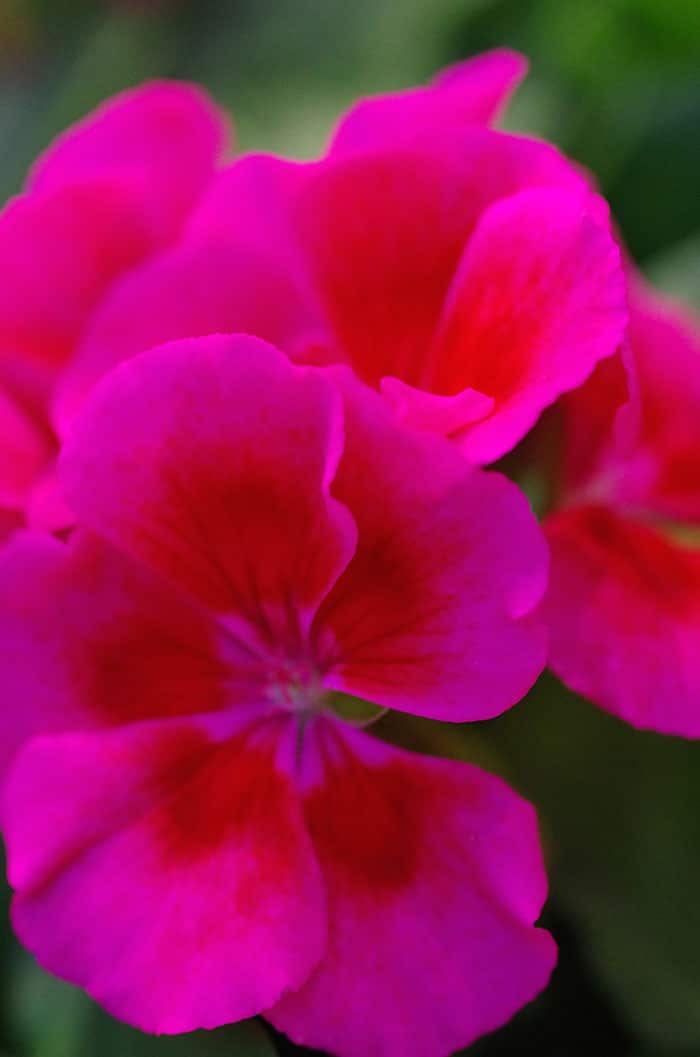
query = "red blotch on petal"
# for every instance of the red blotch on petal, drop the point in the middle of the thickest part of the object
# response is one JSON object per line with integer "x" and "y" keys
{"x": 220, "y": 790}
{"x": 357, "y": 820}
{"x": 623, "y": 608}
{"x": 649, "y": 565}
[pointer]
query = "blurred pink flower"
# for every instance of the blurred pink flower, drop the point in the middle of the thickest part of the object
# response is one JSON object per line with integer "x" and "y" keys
{"x": 109, "y": 193}
{"x": 193, "y": 834}
{"x": 467, "y": 274}
{"x": 624, "y": 600}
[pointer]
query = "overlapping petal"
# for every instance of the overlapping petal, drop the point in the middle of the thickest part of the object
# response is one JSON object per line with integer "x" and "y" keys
{"x": 623, "y": 606}
{"x": 59, "y": 252}
{"x": 253, "y": 535}
{"x": 433, "y": 886}
{"x": 196, "y": 289}
{"x": 168, "y": 135}
{"x": 257, "y": 874}
{"x": 434, "y": 613}
{"x": 26, "y": 448}
{"x": 107, "y": 193}
{"x": 226, "y": 454}
{"x": 90, "y": 638}
{"x": 665, "y": 338}
{"x": 383, "y": 234}
{"x": 257, "y": 514}
{"x": 623, "y": 610}
{"x": 470, "y": 92}
{"x": 538, "y": 299}
{"x": 166, "y": 868}
{"x": 469, "y": 274}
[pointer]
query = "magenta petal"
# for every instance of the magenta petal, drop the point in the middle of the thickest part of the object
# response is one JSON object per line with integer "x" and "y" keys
{"x": 384, "y": 232}
{"x": 190, "y": 292}
{"x": 107, "y": 193}
{"x": 26, "y": 449}
{"x": 59, "y": 251}
{"x": 434, "y": 878}
{"x": 89, "y": 638}
{"x": 35, "y": 689}
{"x": 433, "y": 413}
{"x": 168, "y": 135}
{"x": 600, "y": 427}
{"x": 226, "y": 452}
{"x": 665, "y": 341}
{"x": 47, "y": 509}
{"x": 434, "y": 613}
{"x": 10, "y": 522}
{"x": 250, "y": 204}
{"x": 471, "y": 92}
{"x": 623, "y": 610}
{"x": 166, "y": 870}
{"x": 538, "y": 300}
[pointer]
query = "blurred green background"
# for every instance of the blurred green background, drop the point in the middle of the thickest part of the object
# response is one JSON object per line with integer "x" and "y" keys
{"x": 616, "y": 83}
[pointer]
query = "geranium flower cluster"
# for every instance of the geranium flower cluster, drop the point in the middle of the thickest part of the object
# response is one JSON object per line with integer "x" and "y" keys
{"x": 245, "y": 410}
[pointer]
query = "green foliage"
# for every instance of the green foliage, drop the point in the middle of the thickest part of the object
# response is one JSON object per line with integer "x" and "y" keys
{"x": 618, "y": 810}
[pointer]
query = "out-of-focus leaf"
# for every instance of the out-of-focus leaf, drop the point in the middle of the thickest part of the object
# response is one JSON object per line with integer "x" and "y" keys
{"x": 107, "y": 1038}
{"x": 435, "y": 738}
{"x": 620, "y": 815}
{"x": 49, "y": 1017}
{"x": 354, "y": 709}
{"x": 661, "y": 168}
{"x": 677, "y": 270}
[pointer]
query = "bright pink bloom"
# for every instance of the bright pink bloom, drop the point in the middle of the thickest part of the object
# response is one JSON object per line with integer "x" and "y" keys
{"x": 468, "y": 274}
{"x": 624, "y": 600}
{"x": 193, "y": 835}
{"x": 108, "y": 194}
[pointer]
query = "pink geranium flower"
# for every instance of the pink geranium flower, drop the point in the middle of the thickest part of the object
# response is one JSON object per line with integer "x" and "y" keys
{"x": 468, "y": 275}
{"x": 110, "y": 193}
{"x": 193, "y": 835}
{"x": 446, "y": 300}
{"x": 624, "y": 600}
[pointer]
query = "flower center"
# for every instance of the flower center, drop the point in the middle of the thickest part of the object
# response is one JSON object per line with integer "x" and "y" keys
{"x": 297, "y": 688}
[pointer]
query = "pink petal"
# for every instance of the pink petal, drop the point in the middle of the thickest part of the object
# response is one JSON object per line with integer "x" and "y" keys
{"x": 434, "y": 879}
{"x": 474, "y": 91}
{"x": 623, "y": 610}
{"x": 26, "y": 448}
{"x": 538, "y": 300}
{"x": 433, "y": 413}
{"x": 169, "y": 135}
{"x": 249, "y": 202}
{"x": 47, "y": 509}
{"x": 107, "y": 193}
{"x": 226, "y": 453}
{"x": 89, "y": 638}
{"x": 166, "y": 869}
{"x": 433, "y": 613}
{"x": 191, "y": 291}
{"x": 600, "y": 427}
{"x": 384, "y": 233}
{"x": 59, "y": 251}
{"x": 251, "y": 209}
{"x": 10, "y": 522}
{"x": 665, "y": 342}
